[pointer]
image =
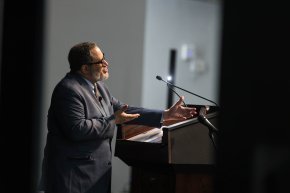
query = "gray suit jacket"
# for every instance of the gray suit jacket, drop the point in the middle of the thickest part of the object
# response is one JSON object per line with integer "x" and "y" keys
{"x": 77, "y": 156}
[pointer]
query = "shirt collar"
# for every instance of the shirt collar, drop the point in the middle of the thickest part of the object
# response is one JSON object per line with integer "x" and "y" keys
{"x": 89, "y": 83}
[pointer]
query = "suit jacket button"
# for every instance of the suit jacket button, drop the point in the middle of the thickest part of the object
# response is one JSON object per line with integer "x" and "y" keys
{"x": 109, "y": 163}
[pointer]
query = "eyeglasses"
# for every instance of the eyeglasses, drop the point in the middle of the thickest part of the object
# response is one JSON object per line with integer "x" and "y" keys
{"x": 102, "y": 61}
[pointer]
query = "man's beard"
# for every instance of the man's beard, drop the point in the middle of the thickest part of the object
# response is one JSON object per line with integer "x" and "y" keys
{"x": 100, "y": 77}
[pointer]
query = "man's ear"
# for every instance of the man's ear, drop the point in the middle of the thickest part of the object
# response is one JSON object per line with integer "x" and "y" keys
{"x": 84, "y": 69}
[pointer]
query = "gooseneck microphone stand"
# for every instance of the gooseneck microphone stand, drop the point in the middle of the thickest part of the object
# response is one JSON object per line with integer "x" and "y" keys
{"x": 202, "y": 112}
{"x": 168, "y": 83}
{"x": 211, "y": 128}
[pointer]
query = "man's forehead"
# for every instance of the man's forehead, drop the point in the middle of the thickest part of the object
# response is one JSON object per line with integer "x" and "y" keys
{"x": 96, "y": 51}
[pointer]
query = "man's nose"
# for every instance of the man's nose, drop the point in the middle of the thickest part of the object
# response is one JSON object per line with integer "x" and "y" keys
{"x": 105, "y": 63}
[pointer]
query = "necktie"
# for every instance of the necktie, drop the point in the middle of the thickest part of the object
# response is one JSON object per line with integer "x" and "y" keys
{"x": 96, "y": 90}
{"x": 98, "y": 96}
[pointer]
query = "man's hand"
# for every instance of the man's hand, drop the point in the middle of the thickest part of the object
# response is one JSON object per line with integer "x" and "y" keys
{"x": 122, "y": 117}
{"x": 178, "y": 112}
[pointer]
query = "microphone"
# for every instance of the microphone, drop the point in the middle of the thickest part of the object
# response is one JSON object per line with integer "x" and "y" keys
{"x": 202, "y": 118}
{"x": 159, "y": 78}
{"x": 100, "y": 99}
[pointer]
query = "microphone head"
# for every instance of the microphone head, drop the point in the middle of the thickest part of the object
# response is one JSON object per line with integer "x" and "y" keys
{"x": 158, "y": 77}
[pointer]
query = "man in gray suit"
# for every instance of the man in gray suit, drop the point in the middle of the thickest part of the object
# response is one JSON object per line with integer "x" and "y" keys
{"x": 81, "y": 121}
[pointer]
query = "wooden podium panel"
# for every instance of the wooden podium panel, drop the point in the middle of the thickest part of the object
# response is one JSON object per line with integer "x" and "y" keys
{"x": 180, "y": 159}
{"x": 158, "y": 179}
{"x": 189, "y": 143}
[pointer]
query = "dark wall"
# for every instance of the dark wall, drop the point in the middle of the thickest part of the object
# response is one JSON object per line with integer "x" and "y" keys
{"x": 21, "y": 76}
{"x": 254, "y": 143}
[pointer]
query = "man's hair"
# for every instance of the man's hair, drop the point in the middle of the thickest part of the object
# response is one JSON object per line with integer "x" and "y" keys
{"x": 80, "y": 54}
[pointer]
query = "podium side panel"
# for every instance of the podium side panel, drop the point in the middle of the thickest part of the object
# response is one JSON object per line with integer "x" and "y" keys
{"x": 191, "y": 145}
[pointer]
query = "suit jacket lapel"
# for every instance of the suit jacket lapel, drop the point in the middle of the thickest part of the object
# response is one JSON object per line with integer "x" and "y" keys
{"x": 103, "y": 109}
{"x": 105, "y": 99}
{"x": 97, "y": 102}
{"x": 89, "y": 91}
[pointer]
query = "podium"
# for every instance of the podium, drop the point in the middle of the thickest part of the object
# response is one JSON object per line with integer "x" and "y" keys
{"x": 179, "y": 157}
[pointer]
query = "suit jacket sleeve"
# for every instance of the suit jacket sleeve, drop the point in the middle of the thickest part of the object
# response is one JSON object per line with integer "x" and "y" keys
{"x": 148, "y": 117}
